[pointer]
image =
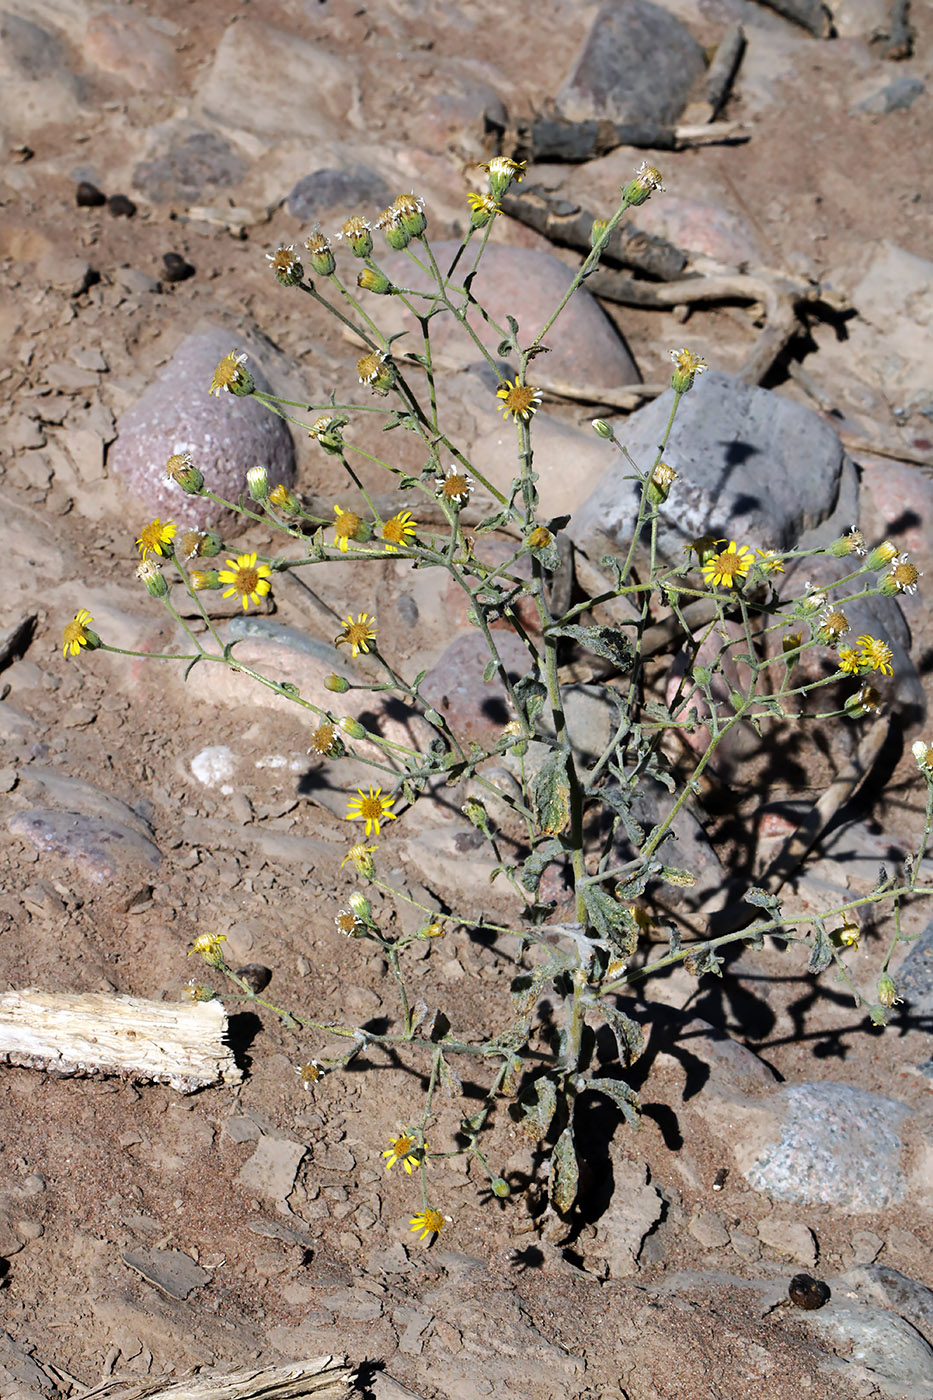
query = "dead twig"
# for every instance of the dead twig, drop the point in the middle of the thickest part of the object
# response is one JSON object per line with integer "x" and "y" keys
{"x": 568, "y": 225}
{"x": 324, "y": 1377}
{"x": 550, "y": 138}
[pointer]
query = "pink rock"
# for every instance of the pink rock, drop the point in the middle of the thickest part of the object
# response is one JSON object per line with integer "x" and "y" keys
{"x": 130, "y": 45}
{"x": 476, "y": 710}
{"x": 700, "y": 226}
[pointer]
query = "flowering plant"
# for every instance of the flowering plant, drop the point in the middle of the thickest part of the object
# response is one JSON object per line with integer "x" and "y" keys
{"x": 744, "y": 650}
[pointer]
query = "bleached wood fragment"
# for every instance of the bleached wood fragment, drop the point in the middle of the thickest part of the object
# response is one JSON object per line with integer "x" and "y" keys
{"x": 178, "y": 1043}
{"x": 324, "y": 1377}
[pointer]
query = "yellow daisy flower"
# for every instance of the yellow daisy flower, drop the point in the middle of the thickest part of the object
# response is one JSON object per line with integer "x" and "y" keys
{"x": 357, "y": 635}
{"x": 246, "y": 577}
{"x": 361, "y": 857}
{"x": 521, "y": 400}
{"x": 371, "y": 808}
{"x": 728, "y": 565}
{"x": 400, "y": 529}
{"x": 404, "y": 1150}
{"x": 156, "y": 537}
{"x": 428, "y": 1222}
{"x": 347, "y": 527}
{"x": 875, "y": 655}
{"x": 76, "y": 634}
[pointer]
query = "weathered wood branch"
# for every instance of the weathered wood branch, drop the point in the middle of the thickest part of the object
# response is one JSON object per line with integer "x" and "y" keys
{"x": 63, "y": 1033}
{"x": 551, "y": 138}
{"x": 324, "y": 1377}
{"x": 568, "y": 225}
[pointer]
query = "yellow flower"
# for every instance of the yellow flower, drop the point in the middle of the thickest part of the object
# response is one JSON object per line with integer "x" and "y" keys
{"x": 246, "y": 577}
{"x": 687, "y": 366}
{"x": 208, "y": 945}
{"x": 455, "y": 487}
{"x": 521, "y": 400}
{"x": 483, "y": 208}
{"x": 230, "y": 377}
{"x": 849, "y": 663}
{"x": 727, "y": 566}
{"x": 404, "y": 1150}
{"x": 347, "y": 527}
{"x": 875, "y": 655}
{"x": 429, "y": 1222}
{"x": 704, "y": 548}
{"x": 76, "y": 634}
{"x": 768, "y": 562}
{"x": 401, "y": 529}
{"x": 502, "y": 170}
{"x": 157, "y": 537}
{"x": 357, "y": 635}
{"x": 539, "y": 538}
{"x": 791, "y": 641}
{"x": 361, "y": 857}
{"x": 371, "y": 808}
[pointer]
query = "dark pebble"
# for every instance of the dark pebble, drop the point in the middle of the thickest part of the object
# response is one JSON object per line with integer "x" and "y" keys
{"x": 88, "y": 196}
{"x": 807, "y": 1293}
{"x": 256, "y": 977}
{"x": 176, "y": 268}
{"x": 121, "y": 207}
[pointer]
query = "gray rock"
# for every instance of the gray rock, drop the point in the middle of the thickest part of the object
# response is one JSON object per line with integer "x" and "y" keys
{"x": 170, "y": 1270}
{"x": 272, "y": 1169}
{"x": 73, "y": 794}
{"x": 837, "y": 1145}
{"x": 28, "y": 50}
{"x": 890, "y": 1349}
{"x": 105, "y": 851}
{"x": 348, "y": 190}
{"x": 893, "y": 97}
{"x": 225, "y": 436}
{"x": 197, "y": 162}
{"x": 913, "y": 1300}
{"x": 915, "y": 975}
{"x": 738, "y": 451}
{"x": 638, "y": 64}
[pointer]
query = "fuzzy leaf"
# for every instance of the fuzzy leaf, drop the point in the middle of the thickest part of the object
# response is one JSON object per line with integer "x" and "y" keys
{"x": 762, "y": 899}
{"x": 607, "y": 642}
{"x": 536, "y": 864}
{"x": 450, "y": 1079}
{"x": 610, "y": 919}
{"x": 821, "y": 952}
{"x": 490, "y": 670}
{"x": 624, "y": 1098}
{"x": 565, "y": 1173}
{"x": 550, "y": 794}
{"x": 531, "y": 695}
{"x": 672, "y": 876}
{"x": 629, "y": 1036}
{"x": 539, "y": 1105}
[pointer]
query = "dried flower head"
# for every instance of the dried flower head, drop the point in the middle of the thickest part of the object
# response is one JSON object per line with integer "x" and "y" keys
{"x": 502, "y": 170}
{"x": 660, "y": 482}
{"x": 286, "y": 265}
{"x": 358, "y": 233}
{"x": 231, "y": 378}
{"x": 247, "y": 578}
{"x": 326, "y": 742}
{"x": 687, "y": 366}
{"x": 376, "y": 370}
{"x": 521, "y": 400}
{"x": 181, "y": 471}
{"x": 646, "y": 181}
{"x": 350, "y": 924}
{"x": 372, "y": 808}
{"x": 455, "y": 486}
{"x": 831, "y": 625}
{"x": 902, "y": 578}
{"x": 357, "y": 635}
{"x": 320, "y": 254}
{"x": 310, "y": 1073}
{"x": 483, "y": 209}
{"x": 150, "y": 574}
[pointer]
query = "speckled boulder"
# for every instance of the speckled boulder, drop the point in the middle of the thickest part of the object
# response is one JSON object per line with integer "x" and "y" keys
{"x": 225, "y": 436}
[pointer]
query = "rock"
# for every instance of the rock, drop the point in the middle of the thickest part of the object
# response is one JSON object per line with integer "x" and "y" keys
{"x": 267, "y": 81}
{"x": 225, "y": 436}
{"x": 826, "y": 1144}
{"x": 865, "y": 1246}
{"x": 171, "y": 1271}
{"x": 105, "y": 852}
{"x": 701, "y": 226}
{"x": 633, "y": 1209}
{"x": 790, "y": 1238}
{"x": 38, "y": 84}
{"x": 476, "y": 710}
{"x": 890, "y": 1349}
{"x": 856, "y": 18}
{"x": 526, "y": 283}
{"x": 709, "y": 1229}
{"x": 897, "y": 500}
{"x": 130, "y": 45}
{"x": 708, "y": 1056}
{"x": 338, "y": 193}
{"x": 193, "y": 163}
{"x": 272, "y": 1169}
{"x": 638, "y": 64}
{"x": 912, "y": 1300}
{"x": 894, "y": 299}
{"x": 915, "y": 975}
{"x": 738, "y": 451}
{"x": 75, "y": 795}
{"x": 214, "y": 767}
{"x": 893, "y": 97}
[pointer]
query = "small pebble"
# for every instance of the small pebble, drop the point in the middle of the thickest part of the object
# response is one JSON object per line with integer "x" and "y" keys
{"x": 88, "y": 196}
{"x": 121, "y": 207}
{"x": 176, "y": 268}
{"x": 256, "y": 977}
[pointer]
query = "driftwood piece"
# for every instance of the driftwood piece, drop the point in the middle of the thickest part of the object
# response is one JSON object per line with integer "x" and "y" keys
{"x": 569, "y": 226}
{"x": 176, "y": 1043}
{"x": 900, "y": 40}
{"x": 809, "y": 14}
{"x": 324, "y": 1377}
{"x": 722, "y": 70}
{"x": 572, "y": 143}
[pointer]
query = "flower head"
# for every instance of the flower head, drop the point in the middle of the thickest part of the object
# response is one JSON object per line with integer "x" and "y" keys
{"x": 728, "y": 565}
{"x": 257, "y": 483}
{"x": 310, "y": 1073}
{"x": 875, "y": 655}
{"x": 687, "y": 366}
{"x": 455, "y": 487}
{"x": 326, "y": 429}
{"x": 358, "y": 233}
{"x": 150, "y": 574}
{"x": 882, "y": 555}
{"x": 357, "y": 635}
{"x": 521, "y": 400}
{"x": 404, "y": 1149}
{"x": 831, "y": 625}
{"x": 371, "y": 808}
{"x": 660, "y": 482}
{"x": 704, "y": 548}
{"x": 399, "y": 530}
{"x": 768, "y": 562}
{"x": 372, "y": 281}
{"x": 181, "y": 471}
{"x": 361, "y": 857}
{"x": 923, "y": 754}
{"x": 246, "y": 577}
{"x": 156, "y": 537}
{"x": 350, "y": 924}
{"x": 902, "y": 578}
{"x": 851, "y": 543}
{"x": 408, "y": 211}
{"x": 76, "y": 634}
{"x": 849, "y": 662}
{"x": 865, "y": 701}
{"x": 376, "y": 370}
{"x": 203, "y": 579}
{"x": 483, "y": 208}
{"x": 231, "y": 378}
{"x": 347, "y": 526}
{"x": 646, "y": 180}
{"x": 539, "y": 538}
{"x": 284, "y": 500}
{"x": 429, "y": 1222}
{"x": 286, "y": 265}
{"x": 502, "y": 170}
{"x": 208, "y": 946}
{"x": 326, "y": 742}
{"x": 320, "y": 255}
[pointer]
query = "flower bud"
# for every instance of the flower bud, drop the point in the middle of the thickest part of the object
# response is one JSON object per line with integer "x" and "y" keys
{"x": 360, "y": 856}
{"x": 702, "y": 675}
{"x": 338, "y": 684}
{"x": 210, "y": 545}
{"x": 352, "y": 727}
{"x": 150, "y": 574}
{"x": 882, "y": 555}
{"x": 475, "y": 813}
{"x": 602, "y": 429}
{"x": 597, "y": 231}
{"x": 361, "y": 906}
{"x": 320, "y": 255}
{"x": 646, "y": 180}
{"x": 500, "y": 1187}
{"x": 372, "y": 281}
{"x": 435, "y": 929}
{"x": 203, "y": 579}
{"x": 687, "y": 366}
{"x": 284, "y": 500}
{"x": 887, "y": 990}
{"x": 257, "y": 483}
